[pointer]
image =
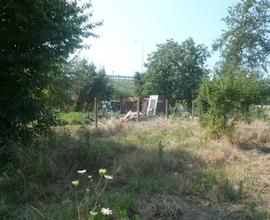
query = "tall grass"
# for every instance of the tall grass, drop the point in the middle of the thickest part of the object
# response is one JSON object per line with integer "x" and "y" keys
{"x": 162, "y": 169}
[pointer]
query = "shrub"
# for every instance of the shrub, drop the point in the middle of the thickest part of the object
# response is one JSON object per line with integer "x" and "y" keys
{"x": 72, "y": 118}
{"x": 180, "y": 110}
{"x": 228, "y": 97}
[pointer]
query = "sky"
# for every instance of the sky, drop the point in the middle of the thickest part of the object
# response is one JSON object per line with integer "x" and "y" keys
{"x": 132, "y": 28}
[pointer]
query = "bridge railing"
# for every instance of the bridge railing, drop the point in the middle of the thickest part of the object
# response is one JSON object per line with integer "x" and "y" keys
{"x": 115, "y": 77}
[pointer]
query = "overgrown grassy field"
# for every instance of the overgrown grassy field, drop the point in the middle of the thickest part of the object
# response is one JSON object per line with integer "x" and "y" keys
{"x": 161, "y": 169}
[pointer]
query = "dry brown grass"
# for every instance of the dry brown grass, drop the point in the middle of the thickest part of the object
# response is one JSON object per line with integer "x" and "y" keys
{"x": 162, "y": 168}
{"x": 242, "y": 157}
{"x": 252, "y": 135}
{"x": 246, "y": 154}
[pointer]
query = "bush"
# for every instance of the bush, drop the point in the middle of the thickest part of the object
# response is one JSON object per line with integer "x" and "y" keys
{"x": 228, "y": 98}
{"x": 180, "y": 110}
{"x": 72, "y": 118}
{"x": 83, "y": 118}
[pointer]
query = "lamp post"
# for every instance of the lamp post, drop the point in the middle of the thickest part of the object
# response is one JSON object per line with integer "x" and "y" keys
{"x": 140, "y": 41}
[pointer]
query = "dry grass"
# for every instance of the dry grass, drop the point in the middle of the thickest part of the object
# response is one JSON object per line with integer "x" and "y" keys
{"x": 162, "y": 169}
{"x": 251, "y": 136}
{"x": 166, "y": 157}
{"x": 232, "y": 157}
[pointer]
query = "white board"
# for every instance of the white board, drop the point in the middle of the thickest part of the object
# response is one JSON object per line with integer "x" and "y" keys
{"x": 152, "y": 105}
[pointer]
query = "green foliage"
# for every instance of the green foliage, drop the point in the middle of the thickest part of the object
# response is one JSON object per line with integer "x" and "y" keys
{"x": 216, "y": 187}
{"x": 83, "y": 118}
{"x": 88, "y": 83}
{"x": 257, "y": 112}
{"x": 138, "y": 82}
{"x": 228, "y": 98}
{"x": 35, "y": 37}
{"x": 76, "y": 85}
{"x": 246, "y": 41}
{"x": 73, "y": 118}
{"x": 59, "y": 92}
{"x": 147, "y": 171}
{"x": 251, "y": 208}
{"x": 123, "y": 88}
{"x": 175, "y": 70}
{"x": 179, "y": 110}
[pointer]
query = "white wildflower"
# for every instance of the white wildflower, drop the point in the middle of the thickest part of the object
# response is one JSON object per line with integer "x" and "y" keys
{"x": 75, "y": 183}
{"x": 93, "y": 213}
{"x": 81, "y": 171}
{"x": 108, "y": 177}
{"x": 106, "y": 211}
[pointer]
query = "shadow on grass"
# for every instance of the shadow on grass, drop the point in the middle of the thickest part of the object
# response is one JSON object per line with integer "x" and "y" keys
{"x": 259, "y": 147}
{"x": 149, "y": 183}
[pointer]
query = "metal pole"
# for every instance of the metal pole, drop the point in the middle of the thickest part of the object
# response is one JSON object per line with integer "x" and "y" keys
{"x": 140, "y": 41}
{"x": 96, "y": 118}
{"x": 142, "y": 58}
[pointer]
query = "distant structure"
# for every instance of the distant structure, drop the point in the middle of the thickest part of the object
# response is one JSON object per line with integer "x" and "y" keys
{"x": 115, "y": 77}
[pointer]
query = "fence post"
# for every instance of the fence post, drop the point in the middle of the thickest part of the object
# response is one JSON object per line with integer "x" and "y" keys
{"x": 96, "y": 118}
{"x": 193, "y": 108}
{"x": 138, "y": 110}
{"x": 166, "y": 108}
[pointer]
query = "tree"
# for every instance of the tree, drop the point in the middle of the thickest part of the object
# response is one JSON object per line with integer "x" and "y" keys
{"x": 138, "y": 83}
{"x": 59, "y": 92}
{"x": 228, "y": 97}
{"x": 35, "y": 37}
{"x": 88, "y": 83}
{"x": 175, "y": 70}
{"x": 246, "y": 40}
{"x": 123, "y": 88}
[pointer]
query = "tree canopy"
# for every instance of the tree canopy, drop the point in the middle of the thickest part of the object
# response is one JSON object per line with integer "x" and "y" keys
{"x": 245, "y": 41}
{"x": 175, "y": 70}
{"x": 88, "y": 83}
{"x": 35, "y": 37}
{"x": 77, "y": 84}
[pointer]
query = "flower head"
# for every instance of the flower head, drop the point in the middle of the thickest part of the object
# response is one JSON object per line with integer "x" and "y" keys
{"x": 108, "y": 177}
{"x": 81, "y": 171}
{"x": 90, "y": 177}
{"x": 106, "y": 211}
{"x": 102, "y": 172}
{"x": 93, "y": 213}
{"x": 75, "y": 183}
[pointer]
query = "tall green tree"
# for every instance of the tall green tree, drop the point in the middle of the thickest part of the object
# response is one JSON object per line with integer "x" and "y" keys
{"x": 174, "y": 71}
{"x": 59, "y": 92}
{"x": 36, "y": 36}
{"x": 246, "y": 40}
{"x": 88, "y": 83}
{"x": 123, "y": 88}
{"x": 138, "y": 83}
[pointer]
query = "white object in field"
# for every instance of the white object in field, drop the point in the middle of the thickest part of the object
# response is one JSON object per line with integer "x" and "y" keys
{"x": 152, "y": 105}
{"x": 131, "y": 115}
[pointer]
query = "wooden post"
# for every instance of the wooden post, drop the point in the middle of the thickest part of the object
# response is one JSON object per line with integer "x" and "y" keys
{"x": 166, "y": 108}
{"x": 193, "y": 108}
{"x": 96, "y": 116}
{"x": 138, "y": 110}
